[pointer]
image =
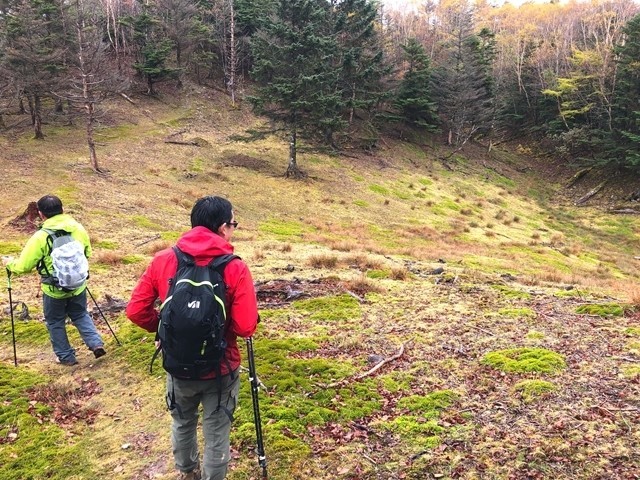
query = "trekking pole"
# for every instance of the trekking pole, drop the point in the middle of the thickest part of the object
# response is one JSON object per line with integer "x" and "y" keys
{"x": 253, "y": 378}
{"x": 103, "y": 317}
{"x": 13, "y": 328}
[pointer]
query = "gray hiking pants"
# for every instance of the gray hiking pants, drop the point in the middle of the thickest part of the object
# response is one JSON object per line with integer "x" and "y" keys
{"x": 216, "y": 425}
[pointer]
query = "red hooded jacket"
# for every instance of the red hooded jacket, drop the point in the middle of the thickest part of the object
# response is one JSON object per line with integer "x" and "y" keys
{"x": 203, "y": 245}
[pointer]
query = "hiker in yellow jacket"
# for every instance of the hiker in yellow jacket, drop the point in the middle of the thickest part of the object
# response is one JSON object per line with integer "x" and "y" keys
{"x": 58, "y": 302}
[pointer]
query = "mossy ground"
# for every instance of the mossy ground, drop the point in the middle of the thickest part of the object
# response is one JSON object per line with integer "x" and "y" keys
{"x": 515, "y": 272}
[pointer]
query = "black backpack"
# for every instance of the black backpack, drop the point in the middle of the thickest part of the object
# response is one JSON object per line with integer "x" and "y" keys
{"x": 193, "y": 319}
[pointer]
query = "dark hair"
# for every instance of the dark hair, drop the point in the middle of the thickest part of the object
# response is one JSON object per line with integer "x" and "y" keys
{"x": 211, "y": 212}
{"x": 50, "y": 206}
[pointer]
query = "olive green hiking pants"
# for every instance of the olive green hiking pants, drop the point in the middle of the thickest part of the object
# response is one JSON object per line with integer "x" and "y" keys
{"x": 216, "y": 423}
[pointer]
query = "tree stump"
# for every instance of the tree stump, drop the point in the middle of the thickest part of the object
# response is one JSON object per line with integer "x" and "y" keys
{"x": 27, "y": 221}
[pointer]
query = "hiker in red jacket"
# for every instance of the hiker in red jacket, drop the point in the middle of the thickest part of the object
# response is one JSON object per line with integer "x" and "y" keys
{"x": 213, "y": 223}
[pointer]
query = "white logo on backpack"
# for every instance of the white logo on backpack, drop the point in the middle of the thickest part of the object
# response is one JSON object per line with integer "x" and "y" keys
{"x": 70, "y": 266}
{"x": 193, "y": 304}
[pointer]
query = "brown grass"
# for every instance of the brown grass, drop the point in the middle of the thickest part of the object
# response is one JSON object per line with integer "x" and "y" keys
{"x": 323, "y": 261}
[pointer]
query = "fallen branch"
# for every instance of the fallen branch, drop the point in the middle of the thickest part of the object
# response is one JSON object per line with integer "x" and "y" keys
{"x": 357, "y": 297}
{"x": 578, "y": 176}
{"x": 155, "y": 237}
{"x": 626, "y": 211}
{"x": 377, "y": 367}
{"x": 127, "y": 99}
{"x": 591, "y": 193}
{"x": 482, "y": 330}
{"x": 182, "y": 142}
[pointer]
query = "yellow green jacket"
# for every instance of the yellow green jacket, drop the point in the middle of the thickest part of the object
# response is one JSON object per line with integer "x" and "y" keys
{"x": 37, "y": 248}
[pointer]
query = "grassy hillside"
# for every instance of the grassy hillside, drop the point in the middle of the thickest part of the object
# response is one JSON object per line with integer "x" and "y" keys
{"x": 417, "y": 321}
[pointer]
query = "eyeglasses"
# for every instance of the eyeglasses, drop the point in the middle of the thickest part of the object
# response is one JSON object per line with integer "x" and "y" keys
{"x": 232, "y": 224}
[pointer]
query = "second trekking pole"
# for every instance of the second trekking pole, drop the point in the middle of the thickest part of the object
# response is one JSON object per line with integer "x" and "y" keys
{"x": 103, "y": 317}
{"x": 13, "y": 327}
{"x": 253, "y": 378}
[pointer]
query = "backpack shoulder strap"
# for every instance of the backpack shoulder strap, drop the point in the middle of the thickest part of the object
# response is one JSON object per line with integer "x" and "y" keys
{"x": 183, "y": 258}
{"x": 218, "y": 263}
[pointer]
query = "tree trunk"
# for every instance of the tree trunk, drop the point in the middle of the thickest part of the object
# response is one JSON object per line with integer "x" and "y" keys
{"x": 150, "y": 85}
{"x": 232, "y": 53}
{"x": 90, "y": 142}
{"x": 292, "y": 169}
{"x": 37, "y": 118}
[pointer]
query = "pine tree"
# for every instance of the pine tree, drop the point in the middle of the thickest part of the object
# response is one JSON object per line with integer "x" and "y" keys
{"x": 360, "y": 56}
{"x": 34, "y": 53}
{"x": 293, "y": 54}
{"x": 153, "y": 47}
{"x": 462, "y": 83}
{"x": 413, "y": 98}
{"x": 627, "y": 104}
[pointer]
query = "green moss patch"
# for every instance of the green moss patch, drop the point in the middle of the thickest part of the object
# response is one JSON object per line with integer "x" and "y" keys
{"x": 525, "y": 360}
{"x": 428, "y": 405}
{"x": 283, "y": 229}
{"x": 602, "y": 309}
{"x": 534, "y": 335}
{"x": 33, "y": 449}
{"x": 421, "y": 427}
{"x": 147, "y": 223}
{"x": 632, "y": 331}
{"x": 106, "y": 244}
{"x": 631, "y": 371}
{"x": 378, "y": 274}
{"x": 517, "y": 312}
{"x": 511, "y": 293}
{"x": 298, "y": 398}
{"x": 10, "y": 248}
{"x": 379, "y": 189}
{"x": 531, "y": 390}
{"x": 30, "y": 332}
{"x": 339, "y": 307}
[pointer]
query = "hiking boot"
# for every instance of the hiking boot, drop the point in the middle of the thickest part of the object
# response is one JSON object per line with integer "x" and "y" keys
{"x": 192, "y": 475}
{"x": 67, "y": 363}
{"x": 99, "y": 352}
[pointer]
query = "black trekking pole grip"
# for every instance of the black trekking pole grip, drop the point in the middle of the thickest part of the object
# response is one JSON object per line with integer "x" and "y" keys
{"x": 253, "y": 379}
{"x": 13, "y": 328}
{"x": 103, "y": 317}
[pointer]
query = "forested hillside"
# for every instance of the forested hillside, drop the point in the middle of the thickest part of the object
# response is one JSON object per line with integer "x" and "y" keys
{"x": 344, "y": 72}
{"x": 441, "y": 293}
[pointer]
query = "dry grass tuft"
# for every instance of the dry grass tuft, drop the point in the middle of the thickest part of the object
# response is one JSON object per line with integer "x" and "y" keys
{"x": 323, "y": 261}
{"x": 108, "y": 257}
{"x": 363, "y": 262}
{"x": 399, "y": 273}
{"x": 363, "y": 285}
{"x": 154, "y": 247}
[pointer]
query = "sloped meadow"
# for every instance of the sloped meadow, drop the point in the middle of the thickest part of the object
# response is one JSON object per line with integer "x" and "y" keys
{"x": 417, "y": 321}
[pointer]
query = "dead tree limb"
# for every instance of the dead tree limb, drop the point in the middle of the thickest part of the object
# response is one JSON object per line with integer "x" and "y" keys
{"x": 377, "y": 367}
{"x": 127, "y": 99}
{"x": 591, "y": 193}
{"x": 578, "y": 176}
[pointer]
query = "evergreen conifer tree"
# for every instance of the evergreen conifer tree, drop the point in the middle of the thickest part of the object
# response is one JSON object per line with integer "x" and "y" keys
{"x": 413, "y": 98}
{"x": 293, "y": 54}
